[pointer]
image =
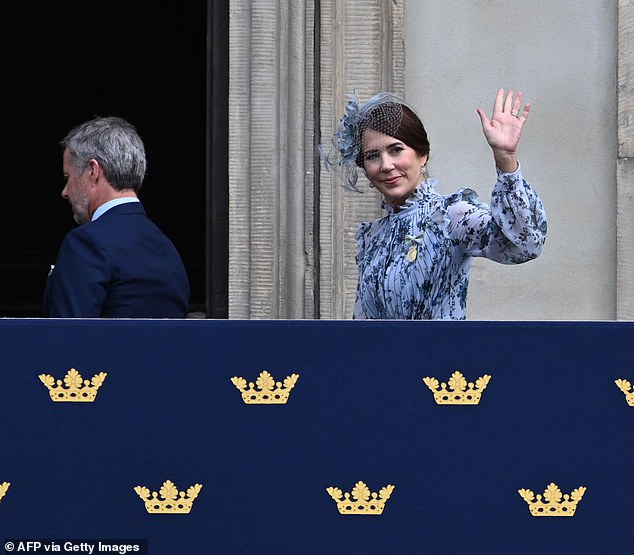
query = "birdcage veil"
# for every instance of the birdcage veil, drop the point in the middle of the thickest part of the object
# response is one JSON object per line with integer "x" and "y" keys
{"x": 383, "y": 113}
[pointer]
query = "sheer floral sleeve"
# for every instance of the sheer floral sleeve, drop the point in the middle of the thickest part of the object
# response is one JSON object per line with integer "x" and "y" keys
{"x": 511, "y": 231}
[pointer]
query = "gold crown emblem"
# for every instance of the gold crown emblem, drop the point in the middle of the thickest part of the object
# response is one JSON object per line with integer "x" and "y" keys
{"x": 268, "y": 392}
{"x": 3, "y": 489}
{"x": 462, "y": 393}
{"x": 626, "y": 387}
{"x": 553, "y": 504}
{"x": 76, "y": 388}
{"x": 172, "y": 501}
{"x": 363, "y": 502}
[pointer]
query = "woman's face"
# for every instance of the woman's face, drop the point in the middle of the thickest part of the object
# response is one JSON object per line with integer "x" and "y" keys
{"x": 393, "y": 167}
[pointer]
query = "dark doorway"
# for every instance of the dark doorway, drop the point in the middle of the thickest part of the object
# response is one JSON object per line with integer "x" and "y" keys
{"x": 64, "y": 62}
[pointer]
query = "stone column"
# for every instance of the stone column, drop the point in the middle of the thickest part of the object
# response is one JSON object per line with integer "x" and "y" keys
{"x": 270, "y": 159}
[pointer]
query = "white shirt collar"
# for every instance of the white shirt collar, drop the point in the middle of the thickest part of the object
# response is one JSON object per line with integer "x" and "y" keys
{"x": 110, "y": 204}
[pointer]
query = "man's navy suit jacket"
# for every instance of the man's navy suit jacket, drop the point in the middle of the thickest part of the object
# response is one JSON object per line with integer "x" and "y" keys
{"x": 117, "y": 266}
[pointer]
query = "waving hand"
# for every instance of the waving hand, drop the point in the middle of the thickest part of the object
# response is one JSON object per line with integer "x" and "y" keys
{"x": 504, "y": 129}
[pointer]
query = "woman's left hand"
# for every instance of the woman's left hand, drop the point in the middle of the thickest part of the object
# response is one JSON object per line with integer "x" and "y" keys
{"x": 504, "y": 129}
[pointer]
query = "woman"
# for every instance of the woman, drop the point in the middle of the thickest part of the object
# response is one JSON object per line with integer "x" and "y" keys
{"x": 414, "y": 263}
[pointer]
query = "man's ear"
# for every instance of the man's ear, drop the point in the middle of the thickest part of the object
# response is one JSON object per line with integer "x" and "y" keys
{"x": 94, "y": 168}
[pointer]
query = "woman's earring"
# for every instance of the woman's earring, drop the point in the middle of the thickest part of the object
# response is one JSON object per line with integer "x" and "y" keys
{"x": 370, "y": 184}
{"x": 423, "y": 170}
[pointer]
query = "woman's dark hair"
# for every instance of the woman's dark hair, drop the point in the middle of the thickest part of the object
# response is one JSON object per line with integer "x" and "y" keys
{"x": 398, "y": 121}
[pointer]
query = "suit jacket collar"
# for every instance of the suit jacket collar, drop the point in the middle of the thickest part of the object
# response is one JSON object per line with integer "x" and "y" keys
{"x": 125, "y": 208}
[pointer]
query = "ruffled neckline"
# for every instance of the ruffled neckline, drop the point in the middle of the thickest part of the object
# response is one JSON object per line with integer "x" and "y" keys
{"x": 419, "y": 193}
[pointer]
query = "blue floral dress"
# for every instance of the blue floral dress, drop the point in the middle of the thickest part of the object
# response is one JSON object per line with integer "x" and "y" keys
{"x": 415, "y": 262}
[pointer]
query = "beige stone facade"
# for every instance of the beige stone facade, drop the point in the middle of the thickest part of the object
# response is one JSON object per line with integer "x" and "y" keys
{"x": 292, "y": 225}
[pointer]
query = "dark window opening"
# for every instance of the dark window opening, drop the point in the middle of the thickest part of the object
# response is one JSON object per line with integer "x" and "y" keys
{"x": 65, "y": 62}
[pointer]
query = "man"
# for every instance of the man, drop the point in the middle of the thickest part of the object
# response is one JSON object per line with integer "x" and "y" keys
{"x": 117, "y": 263}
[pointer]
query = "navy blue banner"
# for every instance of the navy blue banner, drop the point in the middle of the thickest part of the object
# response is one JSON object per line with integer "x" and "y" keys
{"x": 167, "y": 411}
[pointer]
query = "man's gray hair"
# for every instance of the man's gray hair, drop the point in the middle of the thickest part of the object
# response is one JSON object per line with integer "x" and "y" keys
{"x": 115, "y": 144}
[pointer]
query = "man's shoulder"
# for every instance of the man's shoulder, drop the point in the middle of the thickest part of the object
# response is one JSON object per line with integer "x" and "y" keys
{"x": 100, "y": 231}
{"x": 122, "y": 216}
{"x": 83, "y": 241}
